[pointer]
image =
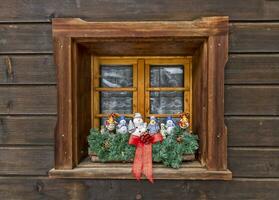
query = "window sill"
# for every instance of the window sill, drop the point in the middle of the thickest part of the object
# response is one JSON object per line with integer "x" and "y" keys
{"x": 88, "y": 170}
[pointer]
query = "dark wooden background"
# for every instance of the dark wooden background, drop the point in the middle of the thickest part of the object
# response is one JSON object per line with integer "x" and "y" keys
{"x": 28, "y": 99}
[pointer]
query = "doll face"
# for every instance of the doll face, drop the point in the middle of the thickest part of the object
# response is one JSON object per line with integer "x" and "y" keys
{"x": 169, "y": 123}
{"x": 138, "y": 121}
{"x": 122, "y": 122}
{"x": 152, "y": 122}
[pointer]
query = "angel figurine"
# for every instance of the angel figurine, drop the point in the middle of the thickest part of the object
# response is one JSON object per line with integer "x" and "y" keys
{"x": 122, "y": 126}
{"x": 137, "y": 126}
{"x": 153, "y": 126}
{"x": 111, "y": 123}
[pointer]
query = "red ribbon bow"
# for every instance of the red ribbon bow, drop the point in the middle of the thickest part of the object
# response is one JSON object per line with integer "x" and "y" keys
{"x": 143, "y": 155}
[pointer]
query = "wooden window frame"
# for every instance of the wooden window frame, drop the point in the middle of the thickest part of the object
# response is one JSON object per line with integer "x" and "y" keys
{"x": 75, "y": 40}
{"x": 141, "y": 92}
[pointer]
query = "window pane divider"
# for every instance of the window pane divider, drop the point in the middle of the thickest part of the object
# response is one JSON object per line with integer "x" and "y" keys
{"x": 167, "y": 89}
{"x": 106, "y": 115}
{"x": 163, "y": 115}
{"x": 115, "y": 89}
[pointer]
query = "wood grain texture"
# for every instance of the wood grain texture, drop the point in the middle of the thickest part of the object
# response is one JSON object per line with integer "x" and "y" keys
{"x": 253, "y": 131}
{"x": 252, "y": 100}
{"x": 254, "y": 37}
{"x": 82, "y": 60}
{"x": 199, "y": 98}
{"x": 254, "y": 162}
{"x": 99, "y": 31}
{"x": 163, "y": 47}
{"x": 27, "y": 69}
{"x": 243, "y": 162}
{"x": 26, "y": 160}
{"x": 36, "y": 38}
{"x": 252, "y": 69}
{"x": 216, "y": 130}
{"x": 23, "y": 130}
{"x": 65, "y": 158}
{"x": 124, "y": 10}
{"x": 25, "y": 38}
{"x": 28, "y": 100}
{"x": 44, "y": 188}
{"x": 241, "y": 69}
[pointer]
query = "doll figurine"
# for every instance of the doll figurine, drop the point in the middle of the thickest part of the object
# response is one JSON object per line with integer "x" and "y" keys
{"x": 153, "y": 126}
{"x": 137, "y": 126}
{"x": 163, "y": 130}
{"x": 122, "y": 126}
{"x": 170, "y": 125}
{"x": 183, "y": 122}
{"x": 110, "y": 123}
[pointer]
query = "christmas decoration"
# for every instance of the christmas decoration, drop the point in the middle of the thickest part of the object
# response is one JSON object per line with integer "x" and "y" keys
{"x": 163, "y": 130}
{"x": 184, "y": 122}
{"x": 169, "y": 151}
{"x": 122, "y": 126}
{"x": 143, "y": 141}
{"x": 153, "y": 126}
{"x": 170, "y": 125}
{"x": 110, "y": 123}
{"x": 137, "y": 126}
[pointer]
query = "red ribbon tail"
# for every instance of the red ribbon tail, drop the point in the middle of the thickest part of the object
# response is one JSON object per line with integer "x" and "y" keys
{"x": 143, "y": 156}
{"x": 147, "y": 162}
{"x": 137, "y": 165}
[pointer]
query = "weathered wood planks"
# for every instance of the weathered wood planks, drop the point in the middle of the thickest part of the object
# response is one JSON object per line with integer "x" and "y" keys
{"x": 33, "y": 160}
{"x": 253, "y": 131}
{"x": 241, "y": 69}
{"x": 25, "y": 38}
{"x": 27, "y": 130}
{"x": 254, "y": 162}
{"x": 252, "y": 69}
{"x": 36, "y": 38}
{"x": 44, "y": 188}
{"x": 25, "y": 11}
{"x": 254, "y": 37}
{"x": 252, "y": 100}
{"x": 27, "y": 69}
{"x": 28, "y": 100}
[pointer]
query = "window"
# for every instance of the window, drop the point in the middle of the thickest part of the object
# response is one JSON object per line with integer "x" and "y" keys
{"x": 196, "y": 50}
{"x": 158, "y": 86}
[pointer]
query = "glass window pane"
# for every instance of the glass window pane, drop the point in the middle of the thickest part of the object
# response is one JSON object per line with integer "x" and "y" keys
{"x": 166, "y": 102}
{"x": 116, "y": 76}
{"x": 166, "y": 76}
{"x": 117, "y": 102}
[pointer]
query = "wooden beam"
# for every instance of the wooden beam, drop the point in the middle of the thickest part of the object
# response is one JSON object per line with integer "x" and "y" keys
{"x": 202, "y": 27}
{"x": 64, "y": 155}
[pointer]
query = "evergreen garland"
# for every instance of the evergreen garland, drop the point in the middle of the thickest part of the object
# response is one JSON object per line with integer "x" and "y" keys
{"x": 115, "y": 147}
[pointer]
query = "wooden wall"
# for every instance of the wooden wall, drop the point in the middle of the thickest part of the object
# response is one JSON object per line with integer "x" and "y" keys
{"x": 28, "y": 99}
